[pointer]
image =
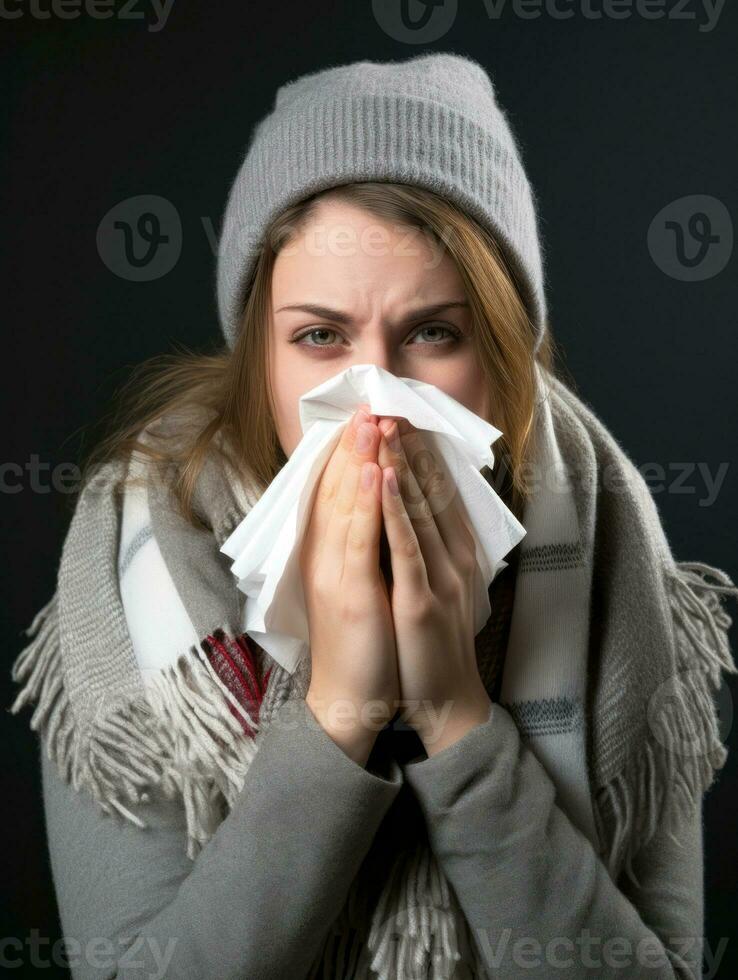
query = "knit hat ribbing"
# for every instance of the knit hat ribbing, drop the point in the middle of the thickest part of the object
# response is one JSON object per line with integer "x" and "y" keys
{"x": 431, "y": 121}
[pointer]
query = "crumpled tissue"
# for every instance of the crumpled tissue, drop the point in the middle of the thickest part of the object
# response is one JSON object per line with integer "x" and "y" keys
{"x": 265, "y": 546}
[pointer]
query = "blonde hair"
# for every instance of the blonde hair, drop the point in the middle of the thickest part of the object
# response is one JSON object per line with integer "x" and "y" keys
{"x": 224, "y": 397}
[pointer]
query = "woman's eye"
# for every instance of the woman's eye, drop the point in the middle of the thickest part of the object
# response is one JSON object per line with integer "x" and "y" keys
{"x": 312, "y": 333}
{"x": 438, "y": 327}
{"x": 320, "y": 336}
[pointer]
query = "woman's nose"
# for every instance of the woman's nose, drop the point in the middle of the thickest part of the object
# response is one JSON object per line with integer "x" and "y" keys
{"x": 377, "y": 353}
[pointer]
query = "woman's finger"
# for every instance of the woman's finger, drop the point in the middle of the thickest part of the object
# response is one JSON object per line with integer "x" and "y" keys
{"x": 326, "y": 490}
{"x": 392, "y": 453}
{"x": 441, "y": 492}
{"x": 361, "y": 560}
{"x": 334, "y": 540}
{"x": 408, "y": 565}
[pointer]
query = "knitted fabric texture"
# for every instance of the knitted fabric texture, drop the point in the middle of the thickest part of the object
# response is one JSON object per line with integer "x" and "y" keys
{"x": 652, "y": 635}
{"x": 433, "y": 121}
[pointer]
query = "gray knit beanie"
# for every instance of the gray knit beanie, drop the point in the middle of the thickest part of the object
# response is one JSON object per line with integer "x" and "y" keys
{"x": 431, "y": 121}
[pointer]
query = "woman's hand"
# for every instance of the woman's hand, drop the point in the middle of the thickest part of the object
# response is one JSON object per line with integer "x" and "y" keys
{"x": 433, "y": 565}
{"x": 354, "y": 684}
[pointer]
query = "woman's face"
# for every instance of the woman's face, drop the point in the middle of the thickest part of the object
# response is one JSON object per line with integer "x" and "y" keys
{"x": 356, "y": 289}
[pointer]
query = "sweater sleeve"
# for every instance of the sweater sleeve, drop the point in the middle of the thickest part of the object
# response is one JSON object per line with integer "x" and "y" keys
{"x": 261, "y": 895}
{"x": 538, "y": 899}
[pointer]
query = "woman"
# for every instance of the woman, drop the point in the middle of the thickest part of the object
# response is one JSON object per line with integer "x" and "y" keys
{"x": 210, "y": 814}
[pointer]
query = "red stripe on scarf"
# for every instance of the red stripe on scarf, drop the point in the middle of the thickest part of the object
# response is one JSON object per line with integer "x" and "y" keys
{"x": 236, "y": 664}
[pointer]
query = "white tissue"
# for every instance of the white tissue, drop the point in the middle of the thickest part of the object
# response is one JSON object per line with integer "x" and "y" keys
{"x": 265, "y": 545}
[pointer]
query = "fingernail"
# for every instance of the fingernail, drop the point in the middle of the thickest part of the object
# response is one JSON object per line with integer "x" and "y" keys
{"x": 361, "y": 416}
{"x": 364, "y": 437}
{"x": 394, "y": 439}
{"x": 392, "y": 482}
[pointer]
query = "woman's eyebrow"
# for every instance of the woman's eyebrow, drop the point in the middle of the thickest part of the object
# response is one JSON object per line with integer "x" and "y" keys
{"x": 326, "y": 313}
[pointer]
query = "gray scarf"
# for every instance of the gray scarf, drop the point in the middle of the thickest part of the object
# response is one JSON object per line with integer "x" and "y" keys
{"x": 655, "y": 641}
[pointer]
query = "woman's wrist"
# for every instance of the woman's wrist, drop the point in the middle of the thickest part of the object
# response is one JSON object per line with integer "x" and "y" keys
{"x": 465, "y": 715}
{"x": 357, "y": 745}
{"x": 345, "y": 728}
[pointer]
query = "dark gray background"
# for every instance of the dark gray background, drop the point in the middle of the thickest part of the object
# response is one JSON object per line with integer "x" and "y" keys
{"x": 618, "y": 118}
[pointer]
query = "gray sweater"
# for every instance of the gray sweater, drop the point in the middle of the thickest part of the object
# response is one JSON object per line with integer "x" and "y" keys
{"x": 259, "y": 899}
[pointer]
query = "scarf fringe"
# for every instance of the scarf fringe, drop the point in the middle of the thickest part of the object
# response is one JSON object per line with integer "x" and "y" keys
{"x": 409, "y": 935}
{"x": 114, "y": 758}
{"x": 175, "y": 735}
{"x": 206, "y": 755}
{"x": 683, "y": 749}
{"x": 414, "y": 930}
